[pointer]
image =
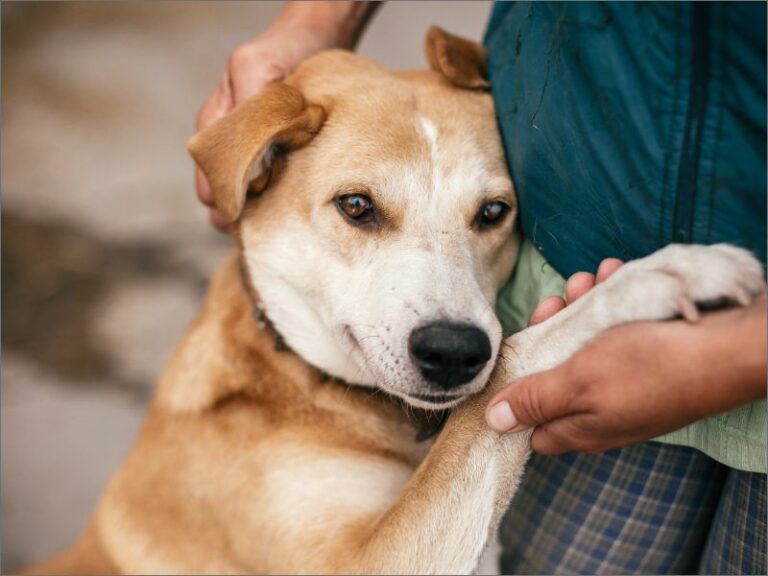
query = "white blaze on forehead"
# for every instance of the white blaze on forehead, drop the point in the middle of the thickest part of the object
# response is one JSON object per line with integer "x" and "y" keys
{"x": 457, "y": 168}
{"x": 429, "y": 130}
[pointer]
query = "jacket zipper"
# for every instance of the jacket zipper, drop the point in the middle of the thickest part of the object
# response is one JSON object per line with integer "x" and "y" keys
{"x": 687, "y": 176}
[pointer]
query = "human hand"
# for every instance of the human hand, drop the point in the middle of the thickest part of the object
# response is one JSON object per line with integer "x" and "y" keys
{"x": 301, "y": 30}
{"x": 638, "y": 381}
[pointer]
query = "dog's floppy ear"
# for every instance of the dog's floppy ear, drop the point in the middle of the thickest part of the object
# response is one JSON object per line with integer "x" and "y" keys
{"x": 237, "y": 149}
{"x": 463, "y": 62}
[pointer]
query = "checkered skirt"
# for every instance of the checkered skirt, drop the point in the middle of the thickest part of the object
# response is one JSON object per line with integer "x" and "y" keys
{"x": 646, "y": 509}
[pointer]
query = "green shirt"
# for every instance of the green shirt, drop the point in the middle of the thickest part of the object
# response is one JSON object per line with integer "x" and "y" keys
{"x": 736, "y": 438}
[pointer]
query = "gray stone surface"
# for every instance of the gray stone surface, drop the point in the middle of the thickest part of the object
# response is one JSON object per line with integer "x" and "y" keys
{"x": 105, "y": 248}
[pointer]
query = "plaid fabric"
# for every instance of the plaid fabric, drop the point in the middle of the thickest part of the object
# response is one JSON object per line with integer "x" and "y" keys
{"x": 737, "y": 541}
{"x": 645, "y": 509}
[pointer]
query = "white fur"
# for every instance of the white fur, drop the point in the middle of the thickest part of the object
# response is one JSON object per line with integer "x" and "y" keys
{"x": 429, "y": 130}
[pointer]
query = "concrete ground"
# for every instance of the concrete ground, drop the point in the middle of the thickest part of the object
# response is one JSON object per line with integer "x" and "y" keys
{"x": 105, "y": 250}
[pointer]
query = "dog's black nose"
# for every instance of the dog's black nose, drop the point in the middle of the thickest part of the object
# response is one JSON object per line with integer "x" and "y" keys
{"x": 448, "y": 354}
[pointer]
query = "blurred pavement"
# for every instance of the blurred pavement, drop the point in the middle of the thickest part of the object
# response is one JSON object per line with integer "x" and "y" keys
{"x": 105, "y": 250}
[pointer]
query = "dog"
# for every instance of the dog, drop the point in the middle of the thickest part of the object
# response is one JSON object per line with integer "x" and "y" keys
{"x": 289, "y": 432}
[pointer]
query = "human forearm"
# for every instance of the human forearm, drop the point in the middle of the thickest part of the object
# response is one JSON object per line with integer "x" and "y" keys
{"x": 339, "y": 23}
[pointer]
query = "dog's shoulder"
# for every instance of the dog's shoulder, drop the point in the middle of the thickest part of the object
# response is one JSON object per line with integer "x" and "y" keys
{"x": 224, "y": 352}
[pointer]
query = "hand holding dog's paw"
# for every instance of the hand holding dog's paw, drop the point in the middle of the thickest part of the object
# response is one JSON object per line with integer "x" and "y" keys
{"x": 638, "y": 381}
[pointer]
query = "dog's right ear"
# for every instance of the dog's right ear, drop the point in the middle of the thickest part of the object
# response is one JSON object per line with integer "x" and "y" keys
{"x": 238, "y": 148}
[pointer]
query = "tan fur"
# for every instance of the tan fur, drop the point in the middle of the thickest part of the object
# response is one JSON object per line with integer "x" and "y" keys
{"x": 250, "y": 459}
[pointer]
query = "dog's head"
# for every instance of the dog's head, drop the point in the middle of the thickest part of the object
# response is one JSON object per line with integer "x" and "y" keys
{"x": 375, "y": 214}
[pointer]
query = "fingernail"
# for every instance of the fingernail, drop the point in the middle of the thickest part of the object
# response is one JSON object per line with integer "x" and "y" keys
{"x": 500, "y": 417}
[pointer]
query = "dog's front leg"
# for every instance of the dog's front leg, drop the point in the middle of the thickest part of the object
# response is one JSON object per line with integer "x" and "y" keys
{"x": 441, "y": 522}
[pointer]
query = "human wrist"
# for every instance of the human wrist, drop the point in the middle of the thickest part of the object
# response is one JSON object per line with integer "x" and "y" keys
{"x": 743, "y": 333}
{"x": 722, "y": 359}
{"x": 329, "y": 24}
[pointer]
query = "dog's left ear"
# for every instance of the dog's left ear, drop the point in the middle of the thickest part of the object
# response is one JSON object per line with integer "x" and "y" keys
{"x": 237, "y": 149}
{"x": 463, "y": 62}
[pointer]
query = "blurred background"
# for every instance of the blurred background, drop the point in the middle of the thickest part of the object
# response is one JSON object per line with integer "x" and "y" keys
{"x": 105, "y": 249}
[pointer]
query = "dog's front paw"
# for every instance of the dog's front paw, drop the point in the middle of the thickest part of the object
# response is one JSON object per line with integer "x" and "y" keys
{"x": 679, "y": 278}
{"x": 711, "y": 274}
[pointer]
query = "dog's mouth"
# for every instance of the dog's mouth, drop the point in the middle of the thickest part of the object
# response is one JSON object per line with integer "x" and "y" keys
{"x": 437, "y": 398}
{"x": 434, "y": 401}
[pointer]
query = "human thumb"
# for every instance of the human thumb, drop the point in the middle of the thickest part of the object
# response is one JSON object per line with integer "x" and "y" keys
{"x": 529, "y": 402}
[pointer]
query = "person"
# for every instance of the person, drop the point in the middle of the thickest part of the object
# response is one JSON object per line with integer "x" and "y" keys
{"x": 627, "y": 126}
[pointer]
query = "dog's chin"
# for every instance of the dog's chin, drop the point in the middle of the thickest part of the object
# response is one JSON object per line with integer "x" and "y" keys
{"x": 430, "y": 401}
{"x": 424, "y": 400}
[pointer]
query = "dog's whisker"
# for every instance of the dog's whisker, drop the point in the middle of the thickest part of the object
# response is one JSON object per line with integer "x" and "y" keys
{"x": 368, "y": 337}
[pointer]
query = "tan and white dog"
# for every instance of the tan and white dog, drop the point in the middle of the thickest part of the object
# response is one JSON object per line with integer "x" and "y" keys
{"x": 375, "y": 225}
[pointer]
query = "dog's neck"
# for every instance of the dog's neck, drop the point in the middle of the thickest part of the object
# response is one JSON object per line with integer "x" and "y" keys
{"x": 226, "y": 362}
{"x": 429, "y": 423}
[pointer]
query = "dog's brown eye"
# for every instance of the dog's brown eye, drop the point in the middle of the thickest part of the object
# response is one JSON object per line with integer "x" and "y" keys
{"x": 357, "y": 207}
{"x": 492, "y": 213}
